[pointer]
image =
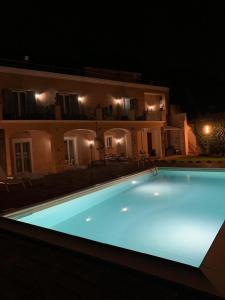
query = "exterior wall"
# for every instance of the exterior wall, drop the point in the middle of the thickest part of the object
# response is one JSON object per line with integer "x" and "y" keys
{"x": 48, "y": 136}
{"x": 41, "y": 150}
{"x": 57, "y": 130}
{"x": 180, "y": 120}
{"x": 193, "y": 148}
{"x": 92, "y": 91}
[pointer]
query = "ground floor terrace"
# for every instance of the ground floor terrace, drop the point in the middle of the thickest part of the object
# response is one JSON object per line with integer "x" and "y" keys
{"x": 56, "y": 146}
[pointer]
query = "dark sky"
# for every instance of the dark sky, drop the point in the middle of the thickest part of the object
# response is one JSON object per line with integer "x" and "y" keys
{"x": 181, "y": 45}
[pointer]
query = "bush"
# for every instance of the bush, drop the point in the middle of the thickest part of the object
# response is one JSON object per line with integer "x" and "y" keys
{"x": 214, "y": 141}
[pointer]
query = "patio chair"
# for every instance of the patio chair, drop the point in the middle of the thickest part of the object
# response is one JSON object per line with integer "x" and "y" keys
{"x": 30, "y": 177}
{"x": 9, "y": 181}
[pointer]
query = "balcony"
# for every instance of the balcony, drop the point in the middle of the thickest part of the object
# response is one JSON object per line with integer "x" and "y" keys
{"x": 159, "y": 115}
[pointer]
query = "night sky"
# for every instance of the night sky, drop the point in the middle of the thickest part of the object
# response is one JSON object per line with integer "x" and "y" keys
{"x": 177, "y": 45}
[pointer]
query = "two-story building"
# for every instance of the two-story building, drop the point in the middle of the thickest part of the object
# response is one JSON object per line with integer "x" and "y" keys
{"x": 51, "y": 121}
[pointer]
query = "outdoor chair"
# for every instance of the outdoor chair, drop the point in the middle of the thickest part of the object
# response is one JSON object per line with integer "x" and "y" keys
{"x": 29, "y": 178}
{"x": 9, "y": 181}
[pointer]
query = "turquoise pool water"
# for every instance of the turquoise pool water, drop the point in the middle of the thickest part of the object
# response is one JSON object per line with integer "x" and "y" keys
{"x": 175, "y": 214}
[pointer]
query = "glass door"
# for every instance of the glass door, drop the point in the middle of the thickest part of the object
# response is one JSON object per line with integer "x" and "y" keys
{"x": 69, "y": 152}
{"x": 22, "y": 156}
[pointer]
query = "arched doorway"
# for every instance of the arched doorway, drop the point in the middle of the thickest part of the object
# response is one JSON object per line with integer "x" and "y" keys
{"x": 79, "y": 147}
{"x": 118, "y": 142}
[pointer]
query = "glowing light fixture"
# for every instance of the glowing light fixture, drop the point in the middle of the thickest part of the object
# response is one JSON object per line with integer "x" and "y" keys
{"x": 118, "y": 141}
{"x": 118, "y": 101}
{"x": 90, "y": 143}
{"x": 207, "y": 129}
{"x": 88, "y": 219}
{"x": 133, "y": 181}
{"x": 156, "y": 194}
{"x": 37, "y": 95}
{"x": 80, "y": 99}
{"x": 124, "y": 209}
{"x": 151, "y": 107}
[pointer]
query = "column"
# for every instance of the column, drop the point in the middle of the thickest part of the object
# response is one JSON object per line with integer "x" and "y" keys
{"x": 58, "y": 114}
{"x": 183, "y": 144}
{"x": 161, "y": 134}
{"x": 57, "y": 151}
{"x": 135, "y": 143}
{"x": 100, "y": 143}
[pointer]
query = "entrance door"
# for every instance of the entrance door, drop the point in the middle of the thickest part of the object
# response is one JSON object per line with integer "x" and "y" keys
{"x": 22, "y": 156}
{"x": 149, "y": 141}
{"x": 69, "y": 152}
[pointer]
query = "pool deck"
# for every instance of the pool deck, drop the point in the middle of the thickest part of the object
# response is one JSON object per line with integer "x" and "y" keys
{"x": 33, "y": 269}
{"x": 213, "y": 266}
{"x": 52, "y": 267}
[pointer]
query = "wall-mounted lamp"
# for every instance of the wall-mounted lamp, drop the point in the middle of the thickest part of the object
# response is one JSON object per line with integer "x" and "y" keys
{"x": 151, "y": 107}
{"x": 118, "y": 101}
{"x": 80, "y": 99}
{"x": 91, "y": 143}
{"x": 37, "y": 95}
{"x": 118, "y": 141}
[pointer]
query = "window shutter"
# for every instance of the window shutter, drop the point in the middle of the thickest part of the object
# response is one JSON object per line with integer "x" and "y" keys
{"x": 59, "y": 101}
{"x": 126, "y": 105}
{"x": 9, "y": 107}
{"x": 30, "y": 105}
{"x": 76, "y": 107}
{"x": 134, "y": 104}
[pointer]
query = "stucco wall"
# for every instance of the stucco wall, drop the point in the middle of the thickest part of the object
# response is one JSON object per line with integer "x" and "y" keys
{"x": 93, "y": 93}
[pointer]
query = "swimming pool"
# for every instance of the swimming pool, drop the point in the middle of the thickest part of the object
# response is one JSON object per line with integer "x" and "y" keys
{"x": 172, "y": 214}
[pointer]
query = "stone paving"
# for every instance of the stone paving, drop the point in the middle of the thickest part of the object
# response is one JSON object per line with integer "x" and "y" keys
{"x": 60, "y": 184}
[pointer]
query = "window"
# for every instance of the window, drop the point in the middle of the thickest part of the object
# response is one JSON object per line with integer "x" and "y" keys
{"x": 22, "y": 156}
{"x": 108, "y": 142}
{"x": 69, "y": 148}
{"x": 69, "y": 105}
{"x": 19, "y": 103}
{"x": 129, "y": 104}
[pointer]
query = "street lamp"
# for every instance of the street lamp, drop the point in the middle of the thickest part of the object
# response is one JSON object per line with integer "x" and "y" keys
{"x": 207, "y": 130}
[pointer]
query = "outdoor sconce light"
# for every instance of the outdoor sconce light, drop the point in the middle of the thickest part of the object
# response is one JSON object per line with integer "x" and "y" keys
{"x": 80, "y": 99}
{"x": 118, "y": 101}
{"x": 37, "y": 95}
{"x": 151, "y": 107}
{"x": 91, "y": 144}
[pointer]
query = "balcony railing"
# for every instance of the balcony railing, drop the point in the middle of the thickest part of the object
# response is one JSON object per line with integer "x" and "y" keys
{"x": 53, "y": 112}
{"x": 159, "y": 115}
